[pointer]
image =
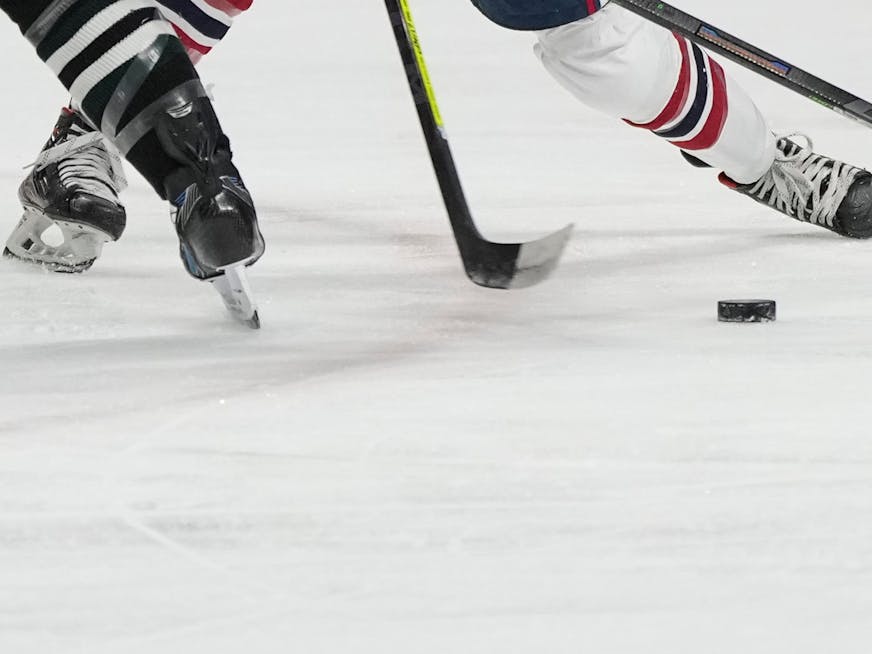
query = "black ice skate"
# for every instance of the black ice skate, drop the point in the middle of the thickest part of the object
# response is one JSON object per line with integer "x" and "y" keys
{"x": 74, "y": 187}
{"x": 815, "y": 189}
{"x": 213, "y": 212}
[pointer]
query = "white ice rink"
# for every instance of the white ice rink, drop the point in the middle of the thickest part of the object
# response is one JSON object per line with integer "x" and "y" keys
{"x": 400, "y": 462}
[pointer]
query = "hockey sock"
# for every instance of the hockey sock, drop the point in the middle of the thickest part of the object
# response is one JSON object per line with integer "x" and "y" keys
{"x": 630, "y": 68}
{"x": 123, "y": 64}
{"x": 201, "y": 24}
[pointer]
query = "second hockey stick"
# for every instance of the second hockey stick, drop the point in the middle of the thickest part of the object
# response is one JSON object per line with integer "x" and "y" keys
{"x": 768, "y": 65}
{"x": 494, "y": 265}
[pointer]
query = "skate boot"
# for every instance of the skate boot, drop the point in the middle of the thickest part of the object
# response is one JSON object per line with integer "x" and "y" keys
{"x": 71, "y": 191}
{"x": 815, "y": 189}
{"x": 213, "y": 212}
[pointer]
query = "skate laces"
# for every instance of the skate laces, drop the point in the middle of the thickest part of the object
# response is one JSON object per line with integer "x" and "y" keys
{"x": 803, "y": 184}
{"x": 87, "y": 161}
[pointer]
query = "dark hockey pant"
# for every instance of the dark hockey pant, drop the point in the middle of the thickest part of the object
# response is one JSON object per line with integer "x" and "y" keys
{"x": 536, "y": 14}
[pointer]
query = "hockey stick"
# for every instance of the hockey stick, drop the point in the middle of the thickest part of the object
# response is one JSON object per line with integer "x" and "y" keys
{"x": 494, "y": 265}
{"x": 752, "y": 57}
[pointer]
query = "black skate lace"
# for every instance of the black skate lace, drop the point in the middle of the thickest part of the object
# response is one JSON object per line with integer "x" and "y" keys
{"x": 803, "y": 184}
{"x": 86, "y": 161}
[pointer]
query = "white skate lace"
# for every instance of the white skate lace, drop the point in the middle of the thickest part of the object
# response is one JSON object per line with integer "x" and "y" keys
{"x": 87, "y": 161}
{"x": 803, "y": 184}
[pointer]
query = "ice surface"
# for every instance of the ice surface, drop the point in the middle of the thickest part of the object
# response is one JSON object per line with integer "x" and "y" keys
{"x": 402, "y": 462}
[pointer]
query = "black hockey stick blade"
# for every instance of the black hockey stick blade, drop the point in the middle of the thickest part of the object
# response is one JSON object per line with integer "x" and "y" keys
{"x": 489, "y": 264}
{"x": 750, "y": 56}
{"x": 517, "y": 265}
{"x": 539, "y": 258}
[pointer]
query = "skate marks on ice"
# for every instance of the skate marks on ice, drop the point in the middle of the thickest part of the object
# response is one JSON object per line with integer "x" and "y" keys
{"x": 259, "y": 600}
{"x": 395, "y": 552}
{"x": 604, "y": 251}
{"x": 143, "y": 394}
{"x": 422, "y": 230}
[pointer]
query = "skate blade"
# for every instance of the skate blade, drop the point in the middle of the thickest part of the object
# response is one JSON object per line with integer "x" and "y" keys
{"x": 80, "y": 246}
{"x": 235, "y": 291}
{"x": 51, "y": 266}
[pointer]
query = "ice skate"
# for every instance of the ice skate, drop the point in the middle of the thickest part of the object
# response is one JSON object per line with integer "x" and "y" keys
{"x": 815, "y": 189}
{"x": 71, "y": 191}
{"x": 214, "y": 215}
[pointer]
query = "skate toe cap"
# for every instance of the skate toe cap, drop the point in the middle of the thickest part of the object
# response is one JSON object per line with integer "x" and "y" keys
{"x": 100, "y": 213}
{"x": 855, "y": 213}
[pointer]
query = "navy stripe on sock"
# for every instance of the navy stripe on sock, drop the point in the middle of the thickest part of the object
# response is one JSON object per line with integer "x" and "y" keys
{"x": 693, "y": 117}
{"x": 199, "y": 20}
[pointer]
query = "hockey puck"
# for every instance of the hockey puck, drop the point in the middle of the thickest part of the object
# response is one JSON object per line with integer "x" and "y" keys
{"x": 746, "y": 310}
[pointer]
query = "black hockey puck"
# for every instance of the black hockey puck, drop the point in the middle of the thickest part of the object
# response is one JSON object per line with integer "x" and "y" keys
{"x": 746, "y": 310}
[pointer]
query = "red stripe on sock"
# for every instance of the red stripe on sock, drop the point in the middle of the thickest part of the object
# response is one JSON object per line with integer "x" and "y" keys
{"x": 230, "y": 7}
{"x": 189, "y": 43}
{"x": 714, "y": 125}
{"x": 679, "y": 95}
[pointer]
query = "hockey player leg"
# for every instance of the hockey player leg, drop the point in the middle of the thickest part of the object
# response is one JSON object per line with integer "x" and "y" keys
{"x": 133, "y": 78}
{"x": 627, "y": 67}
{"x": 74, "y": 187}
{"x": 213, "y": 212}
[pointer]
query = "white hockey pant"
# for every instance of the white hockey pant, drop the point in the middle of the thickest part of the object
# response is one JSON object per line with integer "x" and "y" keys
{"x": 629, "y": 68}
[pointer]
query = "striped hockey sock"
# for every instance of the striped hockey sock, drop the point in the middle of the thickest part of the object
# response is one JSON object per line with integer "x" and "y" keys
{"x": 122, "y": 63}
{"x": 629, "y": 68}
{"x": 695, "y": 115}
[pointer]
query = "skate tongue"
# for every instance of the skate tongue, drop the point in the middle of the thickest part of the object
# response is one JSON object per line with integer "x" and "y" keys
{"x": 236, "y": 293}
